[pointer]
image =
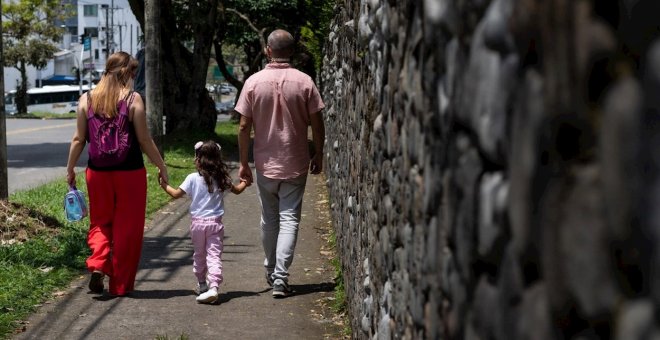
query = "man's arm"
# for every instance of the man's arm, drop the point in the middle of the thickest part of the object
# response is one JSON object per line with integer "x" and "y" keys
{"x": 244, "y": 129}
{"x": 318, "y": 137}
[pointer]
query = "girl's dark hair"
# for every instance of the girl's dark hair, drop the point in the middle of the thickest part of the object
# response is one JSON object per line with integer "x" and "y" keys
{"x": 210, "y": 165}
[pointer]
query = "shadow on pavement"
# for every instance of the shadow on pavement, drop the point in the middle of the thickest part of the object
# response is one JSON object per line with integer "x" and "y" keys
{"x": 227, "y": 296}
{"x": 160, "y": 293}
{"x": 312, "y": 288}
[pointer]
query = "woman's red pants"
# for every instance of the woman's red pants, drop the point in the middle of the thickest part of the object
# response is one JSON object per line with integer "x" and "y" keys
{"x": 117, "y": 204}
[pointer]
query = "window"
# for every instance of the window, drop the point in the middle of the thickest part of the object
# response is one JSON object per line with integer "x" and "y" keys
{"x": 56, "y": 97}
{"x": 91, "y": 10}
{"x": 92, "y": 32}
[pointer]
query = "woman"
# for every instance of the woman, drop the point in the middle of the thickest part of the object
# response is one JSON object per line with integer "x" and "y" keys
{"x": 117, "y": 192}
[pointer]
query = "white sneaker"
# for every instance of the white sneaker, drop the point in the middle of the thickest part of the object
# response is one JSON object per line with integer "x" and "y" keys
{"x": 210, "y": 296}
{"x": 202, "y": 287}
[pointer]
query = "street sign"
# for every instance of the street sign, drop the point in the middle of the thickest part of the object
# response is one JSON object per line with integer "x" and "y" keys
{"x": 87, "y": 44}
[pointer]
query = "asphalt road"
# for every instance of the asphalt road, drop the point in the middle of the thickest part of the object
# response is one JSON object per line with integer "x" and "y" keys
{"x": 37, "y": 151}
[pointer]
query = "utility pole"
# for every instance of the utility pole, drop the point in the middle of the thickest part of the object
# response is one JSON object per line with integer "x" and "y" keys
{"x": 107, "y": 33}
{"x": 80, "y": 64}
{"x": 121, "y": 39}
{"x": 4, "y": 183}
{"x": 112, "y": 24}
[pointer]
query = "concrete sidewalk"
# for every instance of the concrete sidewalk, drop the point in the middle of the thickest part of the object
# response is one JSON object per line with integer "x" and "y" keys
{"x": 163, "y": 305}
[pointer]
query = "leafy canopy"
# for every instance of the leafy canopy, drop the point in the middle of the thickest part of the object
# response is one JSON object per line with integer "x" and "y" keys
{"x": 30, "y": 34}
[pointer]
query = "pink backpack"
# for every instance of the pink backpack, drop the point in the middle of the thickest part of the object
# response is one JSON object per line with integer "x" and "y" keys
{"x": 109, "y": 138}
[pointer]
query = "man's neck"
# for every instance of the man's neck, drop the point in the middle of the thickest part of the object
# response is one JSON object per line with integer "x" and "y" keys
{"x": 280, "y": 60}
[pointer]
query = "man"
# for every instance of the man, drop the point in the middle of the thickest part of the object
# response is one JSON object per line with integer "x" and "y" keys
{"x": 280, "y": 102}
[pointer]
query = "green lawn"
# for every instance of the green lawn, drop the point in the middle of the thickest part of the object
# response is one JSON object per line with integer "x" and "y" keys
{"x": 32, "y": 271}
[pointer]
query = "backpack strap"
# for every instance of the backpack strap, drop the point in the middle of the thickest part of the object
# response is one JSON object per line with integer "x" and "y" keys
{"x": 129, "y": 101}
{"x": 90, "y": 111}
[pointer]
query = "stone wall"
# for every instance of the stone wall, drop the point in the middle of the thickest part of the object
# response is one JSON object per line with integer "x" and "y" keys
{"x": 492, "y": 166}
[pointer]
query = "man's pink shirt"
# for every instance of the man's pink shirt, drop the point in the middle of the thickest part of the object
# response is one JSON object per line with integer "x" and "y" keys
{"x": 280, "y": 99}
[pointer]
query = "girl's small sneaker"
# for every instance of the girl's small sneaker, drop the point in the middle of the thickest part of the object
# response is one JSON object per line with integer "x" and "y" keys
{"x": 210, "y": 296}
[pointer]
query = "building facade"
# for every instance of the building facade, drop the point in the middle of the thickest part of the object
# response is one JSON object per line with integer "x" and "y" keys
{"x": 110, "y": 27}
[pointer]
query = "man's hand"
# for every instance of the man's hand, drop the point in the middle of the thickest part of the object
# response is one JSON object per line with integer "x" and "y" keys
{"x": 245, "y": 174}
{"x": 316, "y": 164}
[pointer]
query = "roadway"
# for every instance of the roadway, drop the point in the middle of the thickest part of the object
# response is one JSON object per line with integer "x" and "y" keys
{"x": 37, "y": 151}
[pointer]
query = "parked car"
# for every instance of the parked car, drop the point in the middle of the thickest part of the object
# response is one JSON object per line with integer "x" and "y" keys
{"x": 224, "y": 107}
{"x": 226, "y": 89}
{"x": 220, "y": 88}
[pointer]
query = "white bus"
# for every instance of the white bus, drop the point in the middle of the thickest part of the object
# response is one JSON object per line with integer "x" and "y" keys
{"x": 57, "y": 99}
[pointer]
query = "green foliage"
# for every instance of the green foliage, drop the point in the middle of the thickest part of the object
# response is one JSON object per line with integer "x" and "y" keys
{"x": 167, "y": 337}
{"x": 314, "y": 32}
{"x": 309, "y": 20}
{"x": 182, "y": 12}
{"x": 30, "y": 37}
{"x": 268, "y": 14}
{"x": 30, "y": 34}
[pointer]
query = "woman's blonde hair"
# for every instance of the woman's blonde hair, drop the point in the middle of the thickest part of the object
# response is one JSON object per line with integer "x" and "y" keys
{"x": 120, "y": 68}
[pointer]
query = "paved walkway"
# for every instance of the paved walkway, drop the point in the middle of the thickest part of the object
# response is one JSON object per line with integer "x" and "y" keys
{"x": 163, "y": 305}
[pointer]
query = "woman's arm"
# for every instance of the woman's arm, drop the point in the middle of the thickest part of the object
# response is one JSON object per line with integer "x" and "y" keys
{"x": 144, "y": 138}
{"x": 78, "y": 141}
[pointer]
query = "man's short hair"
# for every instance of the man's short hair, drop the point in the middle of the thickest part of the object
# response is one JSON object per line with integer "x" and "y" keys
{"x": 281, "y": 41}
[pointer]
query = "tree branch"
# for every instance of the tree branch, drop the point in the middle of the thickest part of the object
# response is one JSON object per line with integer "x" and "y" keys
{"x": 222, "y": 65}
{"x": 259, "y": 32}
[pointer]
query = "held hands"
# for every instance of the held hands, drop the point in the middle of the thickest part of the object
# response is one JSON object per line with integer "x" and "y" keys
{"x": 162, "y": 178}
{"x": 162, "y": 183}
{"x": 245, "y": 174}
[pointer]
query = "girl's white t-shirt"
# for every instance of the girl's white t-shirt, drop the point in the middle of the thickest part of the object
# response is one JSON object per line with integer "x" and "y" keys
{"x": 204, "y": 204}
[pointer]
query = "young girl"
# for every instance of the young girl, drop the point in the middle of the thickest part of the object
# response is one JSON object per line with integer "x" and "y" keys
{"x": 207, "y": 188}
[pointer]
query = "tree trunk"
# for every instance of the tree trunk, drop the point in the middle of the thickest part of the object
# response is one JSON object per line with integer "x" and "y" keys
{"x": 222, "y": 65}
{"x": 178, "y": 69}
{"x": 4, "y": 182}
{"x": 200, "y": 107}
{"x": 21, "y": 99}
{"x": 154, "y": 89}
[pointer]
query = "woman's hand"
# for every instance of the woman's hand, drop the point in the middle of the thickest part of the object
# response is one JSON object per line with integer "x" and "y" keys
{"x": 71, "y": 177}
{"x": 162, "y": 182}
{"x": 162, "y": 177}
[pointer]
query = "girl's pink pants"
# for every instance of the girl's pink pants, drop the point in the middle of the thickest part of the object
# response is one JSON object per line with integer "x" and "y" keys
{"x": 207, "y": 235}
